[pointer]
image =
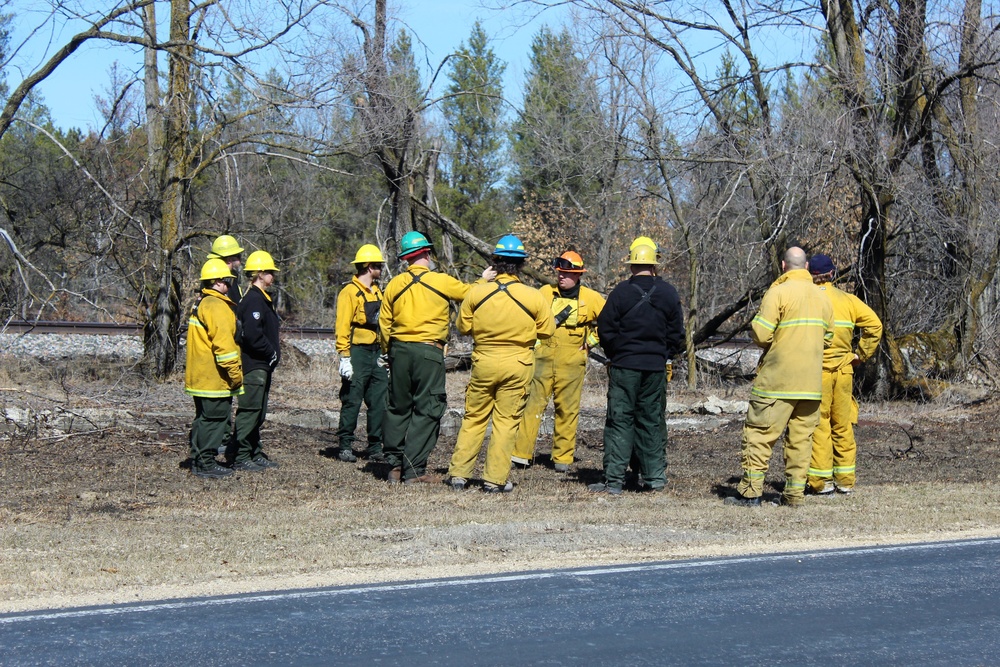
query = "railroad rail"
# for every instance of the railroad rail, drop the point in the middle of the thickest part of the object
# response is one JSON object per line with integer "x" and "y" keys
{"x": 113, "y": 329}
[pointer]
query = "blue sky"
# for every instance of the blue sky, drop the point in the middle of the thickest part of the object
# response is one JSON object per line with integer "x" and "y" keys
{"x": 441, "y": 26}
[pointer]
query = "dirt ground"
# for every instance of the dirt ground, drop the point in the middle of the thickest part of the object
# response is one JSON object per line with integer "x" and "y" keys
{"x": 97, "y": 505}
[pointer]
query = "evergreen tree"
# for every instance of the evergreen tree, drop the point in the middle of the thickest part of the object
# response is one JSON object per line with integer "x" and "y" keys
{"x": 558, "y": 137}
{"x": 475, "y": 141}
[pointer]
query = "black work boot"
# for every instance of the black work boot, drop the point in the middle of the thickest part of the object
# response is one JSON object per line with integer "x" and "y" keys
{"x": 211, "y": 470}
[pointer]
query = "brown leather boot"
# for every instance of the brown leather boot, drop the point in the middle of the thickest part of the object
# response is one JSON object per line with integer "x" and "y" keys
{"x": 395, "y": 474}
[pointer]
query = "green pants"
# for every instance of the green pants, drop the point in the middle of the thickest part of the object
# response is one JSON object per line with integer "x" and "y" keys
{"x": 417, "y": 401}
{"x": 368, "y": 384}
{"x": 635, "y": 423}
{"x": 210, "y": 429}
{"x": 251, "y": 410}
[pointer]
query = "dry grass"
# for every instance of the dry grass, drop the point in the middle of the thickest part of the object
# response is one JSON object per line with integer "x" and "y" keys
{"x": 112, "y": 516}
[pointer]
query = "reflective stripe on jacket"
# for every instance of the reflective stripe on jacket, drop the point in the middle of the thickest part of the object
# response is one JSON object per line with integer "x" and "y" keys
{"x": 794, "y": 325}
{"x": 850, "y": 312}
{"x": 213, "y": 368}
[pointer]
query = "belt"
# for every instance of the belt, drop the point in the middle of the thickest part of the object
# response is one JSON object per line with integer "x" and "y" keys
{"x": 436, "y": 343}
{"x": 366, "y": 346}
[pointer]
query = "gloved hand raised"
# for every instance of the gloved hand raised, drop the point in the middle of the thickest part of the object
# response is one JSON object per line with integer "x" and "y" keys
{"x": 346, "y": 371}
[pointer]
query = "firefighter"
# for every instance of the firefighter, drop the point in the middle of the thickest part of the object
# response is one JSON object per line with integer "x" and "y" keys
{"x": 258, "y": 324}
{"x": 213, "y": 373}
{"x": 227, "y": 249}
{"x": 413, "y": 330}
{"x": 834, "y": 450}
{"x": 640, "y": 327}
{"x": 561, "y": 363}
{"x": 363, "y": 372}
{"x": 505, "y": 319}
{"x": 793, "y": 325}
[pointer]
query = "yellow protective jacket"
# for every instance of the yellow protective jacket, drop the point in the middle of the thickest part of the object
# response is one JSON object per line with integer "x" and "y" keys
{"x": 418, "y": 312}
{"x": 505, "y": 313}
{"x": 794, "y": 325}
{"x": 213, "y": 366}
{"x": 850, "y": 312}
{"x": 581, "y": 323}
{"x": 357, "y": 316}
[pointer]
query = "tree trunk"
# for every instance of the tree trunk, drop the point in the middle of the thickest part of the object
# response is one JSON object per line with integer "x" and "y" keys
{"x": 162, "y": 329}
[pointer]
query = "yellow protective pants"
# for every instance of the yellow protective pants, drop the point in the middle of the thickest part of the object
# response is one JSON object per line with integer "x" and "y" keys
{"x": 498, "y": 388}
{"x": 834, "y": 450}
{"x": 766, "y": 420}
{"x": 559, "y": 373}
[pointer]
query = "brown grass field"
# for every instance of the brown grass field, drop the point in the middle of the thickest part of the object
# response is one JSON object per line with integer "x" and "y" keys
{"x": 97, "y": 507}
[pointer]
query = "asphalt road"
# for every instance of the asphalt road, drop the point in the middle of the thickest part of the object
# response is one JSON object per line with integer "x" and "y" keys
{"x": 926, "y": 604}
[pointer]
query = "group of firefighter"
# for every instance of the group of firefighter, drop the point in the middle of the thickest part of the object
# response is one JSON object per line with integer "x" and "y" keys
{"x": 529, "y": 345}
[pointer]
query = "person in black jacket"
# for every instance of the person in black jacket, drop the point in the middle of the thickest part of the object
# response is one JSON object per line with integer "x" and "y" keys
{"x": 640, "y": 328}
{"x": 258, "y": 326}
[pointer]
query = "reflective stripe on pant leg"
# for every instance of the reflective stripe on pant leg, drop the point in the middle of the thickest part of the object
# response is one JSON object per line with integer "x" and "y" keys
{"x": 766, "y": 419}
{"x": 842, "y": 418}
{"x": 821, "y": 460}
{"x": 798, "y": 447}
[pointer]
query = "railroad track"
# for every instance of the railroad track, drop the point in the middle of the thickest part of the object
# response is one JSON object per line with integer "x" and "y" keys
{"x": 111, "y": 329}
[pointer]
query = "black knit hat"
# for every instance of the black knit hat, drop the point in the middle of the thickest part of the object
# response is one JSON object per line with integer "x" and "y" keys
{"x": 821, "y": 264}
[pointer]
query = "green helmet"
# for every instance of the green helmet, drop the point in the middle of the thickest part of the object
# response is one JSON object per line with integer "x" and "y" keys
{"x": 411, "y": 243}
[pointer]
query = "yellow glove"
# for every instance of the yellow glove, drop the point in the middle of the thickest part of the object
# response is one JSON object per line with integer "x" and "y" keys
{"x": 670, "y": 371}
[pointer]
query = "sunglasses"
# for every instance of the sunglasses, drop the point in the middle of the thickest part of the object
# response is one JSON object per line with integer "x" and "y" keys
{"x": 561, "y": 264}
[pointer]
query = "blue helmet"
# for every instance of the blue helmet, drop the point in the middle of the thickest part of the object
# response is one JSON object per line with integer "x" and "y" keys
{"x": 510, "y": 246}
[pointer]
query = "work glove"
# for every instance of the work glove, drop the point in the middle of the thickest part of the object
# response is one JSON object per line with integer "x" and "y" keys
{"x": 383, "y": 361}
{"x": 273, "y": 361}
{"x": 670, "y": 371}
{"x": 346, "y": 371}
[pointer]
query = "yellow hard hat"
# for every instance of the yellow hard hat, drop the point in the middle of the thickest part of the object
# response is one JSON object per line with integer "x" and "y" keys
{"x": 643, "y": 240}
{"x": 224, "y": 246}
{"x": 214, "y": 269}
{"x": 368, "y": 254}
{"x": 259, "y": 261}
{"x": 642, "y": 254}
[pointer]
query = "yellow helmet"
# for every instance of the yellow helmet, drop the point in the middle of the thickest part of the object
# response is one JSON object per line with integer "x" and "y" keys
{"x": 224, "y": 246}
{"x": 368, "y": 254}
{"x": 259, "y": 261}
{"x": 642, "y": 254}
{"x": 643, "y": 240}
{"x": 215, "y": 269}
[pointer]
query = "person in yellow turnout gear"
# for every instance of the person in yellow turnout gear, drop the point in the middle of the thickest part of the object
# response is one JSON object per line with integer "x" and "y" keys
{"x": 214, "y": 371}
{"x": 505, "y": 318}
{"x": 793, "y": 326}
{"x": 364, "y": 376}
{"x": 561, "y": 363}
{"x": 413, "y": 330}
{"x": 834, "y": 450}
